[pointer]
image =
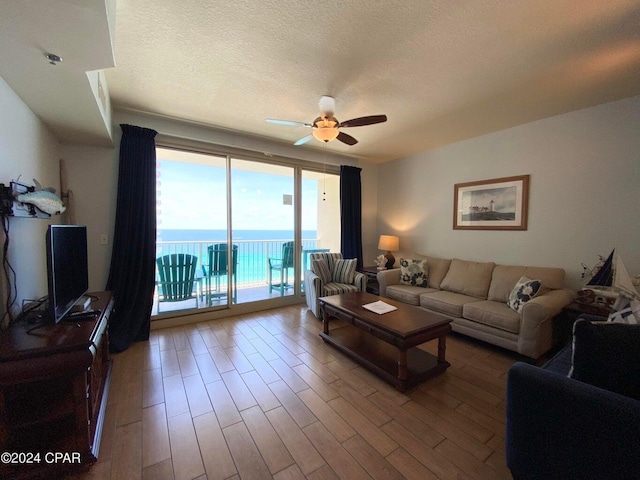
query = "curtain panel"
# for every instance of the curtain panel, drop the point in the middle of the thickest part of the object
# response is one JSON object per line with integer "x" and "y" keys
{"x": 351, "y": 213}
{"x": 132, "y": 271}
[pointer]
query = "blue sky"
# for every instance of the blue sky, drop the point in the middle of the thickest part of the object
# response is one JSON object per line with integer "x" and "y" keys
{"x": 193, "y": 196}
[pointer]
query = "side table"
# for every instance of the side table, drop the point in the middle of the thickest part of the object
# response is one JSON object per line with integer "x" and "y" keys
{"x": 372, "y": 279}
{"x": 563, "y": 322}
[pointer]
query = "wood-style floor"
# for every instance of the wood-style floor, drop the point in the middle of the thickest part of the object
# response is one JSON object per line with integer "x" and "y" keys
{"x": 261, "y": 396}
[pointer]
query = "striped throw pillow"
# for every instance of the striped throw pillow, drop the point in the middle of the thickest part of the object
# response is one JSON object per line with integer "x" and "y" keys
{"x": 321, "y": 269}
{"x": 344, "y": 270}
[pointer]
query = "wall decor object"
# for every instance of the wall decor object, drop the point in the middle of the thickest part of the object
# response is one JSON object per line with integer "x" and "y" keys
{"x": 496, "y": 204}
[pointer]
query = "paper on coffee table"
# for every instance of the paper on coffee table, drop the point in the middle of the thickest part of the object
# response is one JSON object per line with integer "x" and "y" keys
{"x": 379, "y": 307}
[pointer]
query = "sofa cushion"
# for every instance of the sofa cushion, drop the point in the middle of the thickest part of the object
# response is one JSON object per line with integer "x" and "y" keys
{"x": 504, "y": 278}
{"x": 437, "y": 270}
{"x": 413, "y": 272}
{"x": 334, "y": 288}
{"x": 524, "y": 291}
{"x": 449, "y": 303}
{"x": 407, "y": 293}
{"x": 468, "y": 278}
{"x": 493, "y": 314}
{"x": 606, "y": 355}
{"x": 344, "y": 270}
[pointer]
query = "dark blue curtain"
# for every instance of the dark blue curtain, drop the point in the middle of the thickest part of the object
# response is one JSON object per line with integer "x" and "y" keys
{"x": 132, "y": 272}
{"x": 351, "y": 213}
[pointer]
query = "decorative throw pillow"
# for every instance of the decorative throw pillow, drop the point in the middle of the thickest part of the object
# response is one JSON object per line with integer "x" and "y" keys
{"x": 413, "y": 272}
{"x": 321, "y": 269}
{"x": 344, "y": 270}
{"x": 524, "y": 291}
{"x": 606, "y": 355}
{"x": 625, "y": 310}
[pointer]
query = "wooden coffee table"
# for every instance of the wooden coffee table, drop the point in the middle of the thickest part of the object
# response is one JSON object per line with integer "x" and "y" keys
{"x": 386, "y": 344}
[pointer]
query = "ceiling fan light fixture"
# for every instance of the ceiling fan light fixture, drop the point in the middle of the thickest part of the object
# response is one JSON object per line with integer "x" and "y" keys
{"x": 326, "y": 128}
{"x": 325, "y": 134}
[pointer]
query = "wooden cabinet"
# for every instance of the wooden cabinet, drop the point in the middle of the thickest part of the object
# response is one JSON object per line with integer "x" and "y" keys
{"x": 54, "y": 381}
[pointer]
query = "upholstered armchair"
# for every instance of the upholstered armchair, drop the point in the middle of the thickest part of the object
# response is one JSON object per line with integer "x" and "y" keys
{"x": 330, "y": 274}
{"x": 578, "y": 416}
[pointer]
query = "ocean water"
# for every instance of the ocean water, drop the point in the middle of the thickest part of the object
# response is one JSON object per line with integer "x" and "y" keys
{"x": 255, "y": 248}
{"x": 176, "y": 235}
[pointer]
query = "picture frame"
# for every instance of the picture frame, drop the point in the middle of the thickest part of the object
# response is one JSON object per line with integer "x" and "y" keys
{"x": 495, "y": 204}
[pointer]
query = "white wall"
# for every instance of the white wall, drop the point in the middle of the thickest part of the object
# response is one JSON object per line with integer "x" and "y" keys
{"x": 92, "y": 176}
{"x": 28, "y": 150}
{"x": 370, "y": 187}
{"x": 584, "y": 192}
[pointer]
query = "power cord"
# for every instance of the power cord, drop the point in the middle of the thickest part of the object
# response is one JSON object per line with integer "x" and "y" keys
{"x": 9, "y": 272}
{"x": 29, "y": 306}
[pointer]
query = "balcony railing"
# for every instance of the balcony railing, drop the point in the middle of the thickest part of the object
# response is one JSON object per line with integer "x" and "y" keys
{"x": 253, "y": 256}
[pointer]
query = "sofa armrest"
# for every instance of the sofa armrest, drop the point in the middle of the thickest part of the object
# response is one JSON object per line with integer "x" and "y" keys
{"x": 360, "y": 281}
{"x": 312, "y": 291}
{"x": 553, "y": 301}
{"x": 536, "y": 330}
{"x": 560, "y": 428}
{"x": 386, "y": 278}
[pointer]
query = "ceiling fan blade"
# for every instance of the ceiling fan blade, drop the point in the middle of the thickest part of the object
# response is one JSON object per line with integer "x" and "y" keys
{"x": 348, "y": 139}
{"x": 289, "y": 123}
{"x": 362, "y": 121}
{"x": 304, "y": 140}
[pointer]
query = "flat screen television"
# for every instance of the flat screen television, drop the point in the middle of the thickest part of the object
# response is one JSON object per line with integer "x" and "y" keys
{"x": 67, "y": 268}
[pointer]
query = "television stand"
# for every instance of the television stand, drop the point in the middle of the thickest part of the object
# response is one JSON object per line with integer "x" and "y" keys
{"x": 53, "y": 393}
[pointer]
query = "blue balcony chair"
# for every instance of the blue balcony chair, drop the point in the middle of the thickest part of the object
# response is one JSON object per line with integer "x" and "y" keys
{"x": 177, "y": 277}
{"x": 218, "y": 269}
{"x": 281, "y": 264}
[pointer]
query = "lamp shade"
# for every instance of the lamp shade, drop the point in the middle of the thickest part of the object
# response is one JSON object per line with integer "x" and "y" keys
{"x": 390, "y": 243}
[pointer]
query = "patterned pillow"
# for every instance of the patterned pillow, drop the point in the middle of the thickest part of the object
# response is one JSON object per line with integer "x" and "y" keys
{"x": 321, "y": 269}
{"x": 413, "y": 272}
{"x": 524, "y": 291}
{"x": 344, "y": 270}
{"x": 625, "y": 310}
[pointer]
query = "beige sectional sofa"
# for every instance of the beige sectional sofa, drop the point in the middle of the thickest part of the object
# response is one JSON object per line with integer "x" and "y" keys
{"x": 475, "y": 295}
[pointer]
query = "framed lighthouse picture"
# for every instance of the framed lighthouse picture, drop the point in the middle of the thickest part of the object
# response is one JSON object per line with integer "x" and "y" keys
{"x": 496, "y": 204}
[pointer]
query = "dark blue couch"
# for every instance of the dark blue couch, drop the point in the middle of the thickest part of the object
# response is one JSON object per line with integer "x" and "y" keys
{"x": 562, "y": 428}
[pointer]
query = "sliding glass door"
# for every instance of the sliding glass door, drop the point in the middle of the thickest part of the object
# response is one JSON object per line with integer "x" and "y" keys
{"x": 263, "y": 219}
{"x": 237, "y": 229}
{"x": 192, "y": 219}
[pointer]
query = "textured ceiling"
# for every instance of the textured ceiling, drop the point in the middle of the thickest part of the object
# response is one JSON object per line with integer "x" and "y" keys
{"x": 66, "y": 97}
{"x": 442, "y": 71}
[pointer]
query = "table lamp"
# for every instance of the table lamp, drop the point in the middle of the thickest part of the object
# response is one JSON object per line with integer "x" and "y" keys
{"x": 389, "y": 243}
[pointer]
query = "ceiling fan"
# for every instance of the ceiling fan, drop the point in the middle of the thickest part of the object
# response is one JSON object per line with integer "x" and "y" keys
{"x": 326, "y": 126}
